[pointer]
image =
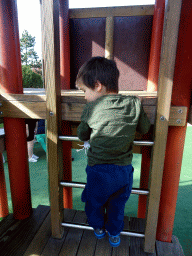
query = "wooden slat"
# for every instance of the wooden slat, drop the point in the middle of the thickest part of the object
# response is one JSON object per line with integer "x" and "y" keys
{"x": 109, "y": 31}
{"x": 18, "y": 238}
{"x": 90, "y": 239}
{"x": 6, "y": 223}
{"x": 165, "y": 83}
{"x": 73, "y": 106}
{"x": 123, "y": 249}
{"x": 51, "y": 53}
{"x": 169, "y": 249}
{"x": 136, "y": 244}
{"x": 40, "y": 239}
{"x": 103, "y": 247}
{"x": 54, "y": 246}
{"x": 111, "y": 11}
{"x": 72, "y": 241}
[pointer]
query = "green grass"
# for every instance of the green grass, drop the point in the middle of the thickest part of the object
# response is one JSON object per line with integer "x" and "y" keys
{"x": 183, "y": 221}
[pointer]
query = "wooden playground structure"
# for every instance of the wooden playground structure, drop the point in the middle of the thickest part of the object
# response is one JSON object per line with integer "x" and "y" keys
{"x": 152, "y": 48}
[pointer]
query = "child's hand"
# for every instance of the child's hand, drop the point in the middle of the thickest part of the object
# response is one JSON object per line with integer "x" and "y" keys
{"x": 86, "y": 146}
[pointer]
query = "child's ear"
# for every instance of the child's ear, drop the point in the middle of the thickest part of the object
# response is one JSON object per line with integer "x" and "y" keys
{"x": 98, "y": 86}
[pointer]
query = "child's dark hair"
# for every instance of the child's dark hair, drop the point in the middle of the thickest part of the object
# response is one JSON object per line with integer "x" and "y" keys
{"x": 99, "y": 69}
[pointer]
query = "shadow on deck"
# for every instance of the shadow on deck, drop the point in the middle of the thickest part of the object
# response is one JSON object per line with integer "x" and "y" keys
{"x": 32, "y": 236}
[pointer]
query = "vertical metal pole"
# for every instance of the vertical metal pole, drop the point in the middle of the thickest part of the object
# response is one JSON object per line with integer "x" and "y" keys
{"x": 154, "y": 61}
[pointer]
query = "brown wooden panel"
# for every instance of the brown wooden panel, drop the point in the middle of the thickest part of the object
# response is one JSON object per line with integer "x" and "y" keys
{"x": 87, "y": 39}
{"x": 73, "y": 239}
{"x": 132, "y": 36}
{"x": 111, "y": 11}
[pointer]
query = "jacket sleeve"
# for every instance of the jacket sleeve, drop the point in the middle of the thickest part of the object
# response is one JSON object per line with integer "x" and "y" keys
{"x": 83, "y": 130}
{"x": 144, "y": 123}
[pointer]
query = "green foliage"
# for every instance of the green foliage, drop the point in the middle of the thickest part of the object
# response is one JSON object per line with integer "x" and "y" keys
{"x": 31, "y": 66}
{"x": 30, "y": 78}
{"x": 28, "y": 54}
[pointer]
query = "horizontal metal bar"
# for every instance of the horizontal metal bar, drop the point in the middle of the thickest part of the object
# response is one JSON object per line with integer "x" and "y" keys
{"x": 82, "y": 185}
{"x": 78, "y": 226}
{"x": 136, "y": 143}
{"x": 143, "y": 143}
{"x": 69, "y": 138}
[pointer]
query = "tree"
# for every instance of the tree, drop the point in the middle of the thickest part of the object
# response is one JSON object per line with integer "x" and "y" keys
{"x": 30, "y": 78}
{"x": 31, "y": 66}
{"x": 28, "y": 54}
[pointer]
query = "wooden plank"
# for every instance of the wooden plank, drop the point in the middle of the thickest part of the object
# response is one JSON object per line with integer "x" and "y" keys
{"x": 136, "y": 244}
{"x": 72, "y": 109}
{"x": 50, "y": 24}
{"x": 111, "y": 11}
{"x": 169, "y": 249}
{"x": 123, "y": 248}
{"x": 18, "y": 239}
{"x": 53, "y": 246}
{"x": 178, "y": 116}
{"x": 88, "y": 243}
{"x": 7, "y": 223}
{"x": 20, "y": 109}
{"x": 103, "y": 247}
{"x": 40, "y": 239}
{"x": 72, "y": 241}
{"x": 167, "y": 64}
{"x": 109, "y": 31}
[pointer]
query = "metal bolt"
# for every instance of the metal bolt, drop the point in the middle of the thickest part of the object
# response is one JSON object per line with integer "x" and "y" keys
{"x": 51, "y": 113}
{"x": 178, "y": 121}
{"x": 180, "y": 111}
{"x": 1, "y": 113}
{"x": 162, "y": 118}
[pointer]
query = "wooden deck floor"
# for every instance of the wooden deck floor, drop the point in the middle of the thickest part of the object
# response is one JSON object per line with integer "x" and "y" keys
{"x": 32, "y": 236}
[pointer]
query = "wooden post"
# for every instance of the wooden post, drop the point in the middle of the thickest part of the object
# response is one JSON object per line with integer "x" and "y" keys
{"x": 109, "y": 30}
{"x": 166, "y": 73}
{"x": 50, "y": 24}
{"x": 11, "y": 82}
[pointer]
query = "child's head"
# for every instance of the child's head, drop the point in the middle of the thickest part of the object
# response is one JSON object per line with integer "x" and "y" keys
{"x": 98, "y": 71}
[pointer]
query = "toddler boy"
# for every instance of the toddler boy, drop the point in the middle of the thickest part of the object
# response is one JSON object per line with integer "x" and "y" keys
{"x": 109, "y": 122}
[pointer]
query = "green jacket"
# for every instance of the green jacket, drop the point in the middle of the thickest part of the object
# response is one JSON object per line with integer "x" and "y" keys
{"x": 110, "y": 123}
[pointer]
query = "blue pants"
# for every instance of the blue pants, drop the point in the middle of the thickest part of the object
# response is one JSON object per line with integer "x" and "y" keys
{"x": 108, "y": 189}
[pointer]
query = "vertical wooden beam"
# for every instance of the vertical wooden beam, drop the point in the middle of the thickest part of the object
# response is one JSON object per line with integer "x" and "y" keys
{"x": 165, "y": 84}
{"x": 109, "y": 31}
{"x": 50, "y": 24}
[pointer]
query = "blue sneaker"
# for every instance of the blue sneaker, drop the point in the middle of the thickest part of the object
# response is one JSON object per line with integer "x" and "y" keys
{"x": 99, "y": 233}
{"x": 114, "y": 240}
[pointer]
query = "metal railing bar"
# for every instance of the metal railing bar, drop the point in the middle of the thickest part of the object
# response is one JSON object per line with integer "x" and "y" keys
{"x": 136, "y": 143}
{"x": 82, "y": 185}
{"x": 80, "y": 226}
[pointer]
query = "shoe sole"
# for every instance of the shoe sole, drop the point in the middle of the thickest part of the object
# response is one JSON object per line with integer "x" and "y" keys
{"x": 114, "y": 244}
{"x": 100, "y": 236}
